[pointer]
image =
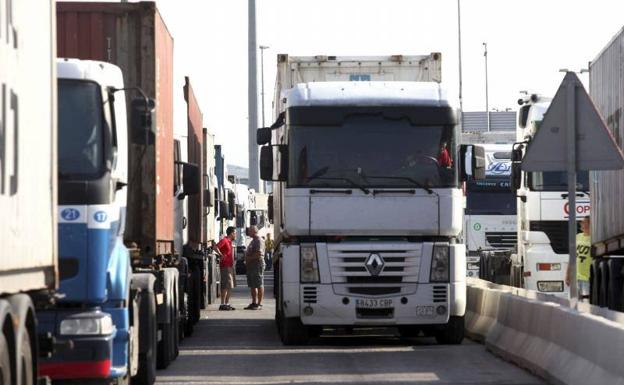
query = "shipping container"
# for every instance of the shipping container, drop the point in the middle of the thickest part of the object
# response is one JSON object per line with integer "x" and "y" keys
{"x": 27, "y": 148}
{"x": 134, "y": 37}
{"x": 196, "y": 224}
{"x": 209, "y": 185}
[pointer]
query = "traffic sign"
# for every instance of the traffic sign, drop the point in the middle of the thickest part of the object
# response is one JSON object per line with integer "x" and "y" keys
{"x": 595, "y": 147}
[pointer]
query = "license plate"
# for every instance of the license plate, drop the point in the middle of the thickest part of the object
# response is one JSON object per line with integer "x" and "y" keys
{"x": 373, "y": 303}
{"x": 425, "y": 311}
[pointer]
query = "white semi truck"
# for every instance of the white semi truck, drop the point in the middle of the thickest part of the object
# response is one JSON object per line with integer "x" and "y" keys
{"x": 490, "y": 222}
{"x": 367, "y": 206}
{"x": 541, "y": 258}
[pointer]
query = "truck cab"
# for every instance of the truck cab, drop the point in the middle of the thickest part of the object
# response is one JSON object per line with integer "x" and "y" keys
{"x": 367, "y": 211}
{"x": 95, "y": 271}
{"x": 541, "y": 259}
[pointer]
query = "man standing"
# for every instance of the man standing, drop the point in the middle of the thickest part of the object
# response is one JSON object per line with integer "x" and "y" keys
{"x": 226, "y": 253}
{"x": 583, "y": 260}
{"x": 254, "y": 261}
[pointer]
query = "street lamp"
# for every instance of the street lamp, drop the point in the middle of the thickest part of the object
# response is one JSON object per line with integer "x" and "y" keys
{"x": 262, "y": 48}
{"x": 487, "y": 111}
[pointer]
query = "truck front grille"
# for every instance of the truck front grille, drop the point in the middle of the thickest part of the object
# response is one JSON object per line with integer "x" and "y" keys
{"x": 348, "y": 266}
{"x": 309, "y": 294}
{"x": 501, "y": 239}
{"x": 439, "y": 293}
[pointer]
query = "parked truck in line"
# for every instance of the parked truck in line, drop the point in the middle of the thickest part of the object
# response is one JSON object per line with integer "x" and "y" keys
{"x": 490, "y": 222}
{"x": 368, "y": 207}
{"x": 28, "y": 186}
{"x": 124, "y": 286}
{"x": 541, "y": 258}
{"x": 607, "y": 187}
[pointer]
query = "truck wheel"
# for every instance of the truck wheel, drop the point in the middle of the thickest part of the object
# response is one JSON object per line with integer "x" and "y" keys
{"x": 165, "y": 345}
{"x": 195, "y": 295}
{"x": 603, "y": 294}
{"x": 5, "y": 361}
{"x": 176, "y": 324}
{"x": 294, "y": 332}
{"x": 614, "y": 294}
{"x": 452, "y": 333}
{"x": 148, "y": 337}
{"x": 409, "y": 331}
{"x": 594, "y": 282}
{"x": 26, "y": 360}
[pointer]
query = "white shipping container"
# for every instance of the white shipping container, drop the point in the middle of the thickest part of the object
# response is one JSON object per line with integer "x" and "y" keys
{"x": 27, "y": 146}
{"x": 292, "y": 70}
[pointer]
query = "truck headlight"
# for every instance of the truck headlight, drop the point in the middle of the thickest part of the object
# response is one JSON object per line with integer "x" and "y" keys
{"x": 440, "y": 264}
{"x": 309, "y": 264}
{"x": 101, "y": 324}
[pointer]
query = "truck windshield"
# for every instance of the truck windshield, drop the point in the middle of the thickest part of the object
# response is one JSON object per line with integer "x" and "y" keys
{"x": 372, "y": 152}
{"x": 557, "y": 181}
{"x": 490, "y": 203}
{"x": 80, "y": 129}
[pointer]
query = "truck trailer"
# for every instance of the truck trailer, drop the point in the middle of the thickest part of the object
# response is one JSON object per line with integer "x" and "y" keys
{"x": 607, "y": 187}
{"x": 28, "y": 187}
{"x": 368, "y": 207}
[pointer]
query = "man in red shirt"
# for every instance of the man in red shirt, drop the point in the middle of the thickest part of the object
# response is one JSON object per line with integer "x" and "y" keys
{"x": 444, "y": 158}
{"x": 225, "y": 251}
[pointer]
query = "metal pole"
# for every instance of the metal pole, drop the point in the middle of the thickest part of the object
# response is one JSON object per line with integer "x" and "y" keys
{"x": 461, "y": 99}
{"x": 254, "y": 167}
{"x": 487, "y": 106}
{"x": 571, "y": 144}
{"x": 262, "y": 48}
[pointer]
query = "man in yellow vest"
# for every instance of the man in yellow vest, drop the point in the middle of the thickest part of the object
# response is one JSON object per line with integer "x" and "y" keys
{"x": 583, "y": 260}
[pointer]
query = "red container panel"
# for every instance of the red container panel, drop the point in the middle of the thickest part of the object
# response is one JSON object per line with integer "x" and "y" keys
{"x": 196, "y": 233}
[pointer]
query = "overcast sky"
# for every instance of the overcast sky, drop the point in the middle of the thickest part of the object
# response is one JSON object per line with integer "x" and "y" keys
{"x": 528, "y": 42}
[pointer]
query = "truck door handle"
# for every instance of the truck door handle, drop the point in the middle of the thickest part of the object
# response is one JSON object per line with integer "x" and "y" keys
{"x": 577, "y": 195}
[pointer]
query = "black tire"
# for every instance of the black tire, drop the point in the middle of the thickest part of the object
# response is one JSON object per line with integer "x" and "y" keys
{"x": 175, "y": 314}
{"x": 594, "y": 282}
{"x": 294, "y": 332}
{"x": 5, "y": 361}
{"x": 614, "y": 292}
{"x": 452, "y": 333}
{"x": 195, "y": 295}
{"x": 603, "y": 294}
{"x": 26, "y": 362}
{"x": 165, "y": 345}
{"x": 409, "y": 331}
{"x": 148, "y": 337}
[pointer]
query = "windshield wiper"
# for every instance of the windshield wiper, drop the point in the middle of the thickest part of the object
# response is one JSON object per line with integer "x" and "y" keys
{"x": 350, "y": 181}
{"x": 407, "y": 178}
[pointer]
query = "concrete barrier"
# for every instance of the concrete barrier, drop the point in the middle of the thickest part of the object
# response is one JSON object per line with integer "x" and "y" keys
{"x": 544, "y": 335}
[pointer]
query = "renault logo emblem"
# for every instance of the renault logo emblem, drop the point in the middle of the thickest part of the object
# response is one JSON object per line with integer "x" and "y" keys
{"x": 374, "y": 264}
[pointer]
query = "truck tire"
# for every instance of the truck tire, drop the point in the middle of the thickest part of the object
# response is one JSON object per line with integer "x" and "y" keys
{"x": 452, "y": 333}
{"x": 614, "y": 292}
{"x": 148, "y": 333}
{"x": 294, "y": 332}
{"x": 5, "y": 361}
{"x": 25, "y": 356}
{"x": 603, "y": 294}
{"x": 195, "y": 295}
{"x": 165, "y": 345}
{"x": 594, "y": 282}
{"x": 176, "y": 322}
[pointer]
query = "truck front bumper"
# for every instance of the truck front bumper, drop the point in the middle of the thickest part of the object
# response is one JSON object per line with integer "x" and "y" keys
{"x": 423, "y": 304}
{"x": 81, "y": 357}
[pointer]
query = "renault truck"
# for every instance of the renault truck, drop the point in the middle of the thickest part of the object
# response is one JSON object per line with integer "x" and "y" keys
{"x": 367, "y": 203}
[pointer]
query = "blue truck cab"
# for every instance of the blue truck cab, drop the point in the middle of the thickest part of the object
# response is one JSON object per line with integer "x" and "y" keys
{"x": 93, "y": 314}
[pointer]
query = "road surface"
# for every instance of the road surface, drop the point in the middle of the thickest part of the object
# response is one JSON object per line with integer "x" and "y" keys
{"x": 242, "y": 347}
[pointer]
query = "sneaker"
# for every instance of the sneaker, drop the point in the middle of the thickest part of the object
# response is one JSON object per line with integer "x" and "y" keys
{"x": 259, "y": 306}
{"x": 230, "y": 307}
{"x": 251, "y": 306}
{"x": 223, "y": 307}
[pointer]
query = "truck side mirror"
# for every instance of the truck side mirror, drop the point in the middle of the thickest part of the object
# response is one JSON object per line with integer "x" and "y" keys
{"x": 472, "y": 162}
{"x": 224, "y": 212}
{"x": 516, "y": 176}
{"x": 231, "y": 205}
{"x": 263, "y": 135}
{"x": 268, "y": 159}
{"x": 190, "y": 179}
{"x": 208, "y": 201}
{"x": 143, "y": 121}
{"x": 266, "y": 163}
{"x": 270, "y": 208}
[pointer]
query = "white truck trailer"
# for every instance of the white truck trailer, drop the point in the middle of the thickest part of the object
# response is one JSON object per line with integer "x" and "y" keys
{"x": 368, "y": 207}
{"x": 541, "y": 258}
{"x": 28, "y": 255}
{"x": 607, "y": 187}
{"x": 490, "y": 222}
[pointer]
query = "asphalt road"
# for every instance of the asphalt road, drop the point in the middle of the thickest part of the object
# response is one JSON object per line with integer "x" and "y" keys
{"x": 242, "y": 347}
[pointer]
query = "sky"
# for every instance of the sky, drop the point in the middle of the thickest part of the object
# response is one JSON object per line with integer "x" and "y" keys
{"x": 528, "y": 43}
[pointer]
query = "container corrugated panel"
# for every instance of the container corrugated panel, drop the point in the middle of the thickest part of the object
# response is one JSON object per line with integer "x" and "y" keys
{"x": 209, "y": 183}
{"x": 499, "y": 121}
{"x": 196, "y": 234}
{"x": 606, "y": 84}
{"x": 27, "y": 148}
{"x": 134, "y": 37}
